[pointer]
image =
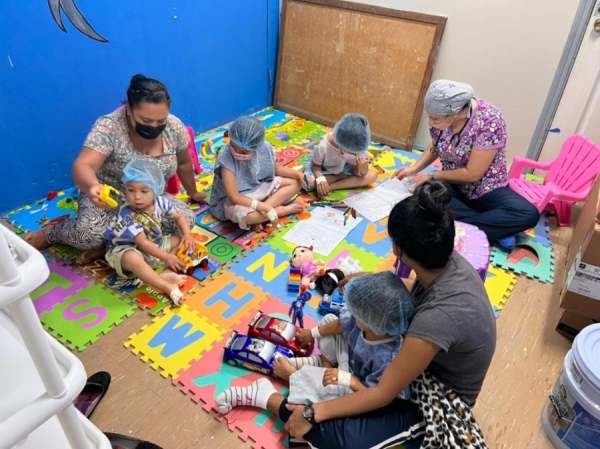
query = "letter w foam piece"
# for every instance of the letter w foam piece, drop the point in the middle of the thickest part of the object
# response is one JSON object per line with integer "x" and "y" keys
{"x": 174, "y": 339}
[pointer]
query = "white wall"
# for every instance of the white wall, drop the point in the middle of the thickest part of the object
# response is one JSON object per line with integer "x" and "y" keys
{"x": 508, "y": 50}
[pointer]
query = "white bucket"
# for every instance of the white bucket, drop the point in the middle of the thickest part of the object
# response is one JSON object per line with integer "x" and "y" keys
{"x": 572, "y": 417}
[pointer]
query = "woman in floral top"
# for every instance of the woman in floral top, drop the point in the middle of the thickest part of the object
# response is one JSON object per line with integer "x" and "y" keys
{"x": 142, "y": 130}
{"x": 469, "y": 137}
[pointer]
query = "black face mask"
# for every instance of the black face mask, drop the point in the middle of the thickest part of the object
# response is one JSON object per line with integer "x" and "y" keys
{"x": 147, "y": 131}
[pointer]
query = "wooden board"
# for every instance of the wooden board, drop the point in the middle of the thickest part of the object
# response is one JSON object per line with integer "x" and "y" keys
{"x": 337, "y": 57}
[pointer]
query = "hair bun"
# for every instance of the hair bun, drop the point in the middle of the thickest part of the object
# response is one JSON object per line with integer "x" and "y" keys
{"x": 137, "y": 79}
{"x": 433, "y": 198}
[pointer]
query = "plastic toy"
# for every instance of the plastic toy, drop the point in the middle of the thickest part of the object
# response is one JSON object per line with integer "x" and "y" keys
{"x": 296, "y": 312}
{"x": 255, "y": 354}
{"x": 303, "y": 259}
{"x": 110, "y": 196}
{"x": 199, "y": 257}
{"x": 278, "y": 331}
{"x": 294, "y": 280}
{"x": 331, "y": 304}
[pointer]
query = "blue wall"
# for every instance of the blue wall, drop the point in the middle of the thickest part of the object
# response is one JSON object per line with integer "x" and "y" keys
{"x": 216, "y": 56}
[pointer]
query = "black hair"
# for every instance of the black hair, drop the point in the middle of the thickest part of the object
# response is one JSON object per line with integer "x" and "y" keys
{"x": 142, "y": 88}
{"x": 422, "y": 225}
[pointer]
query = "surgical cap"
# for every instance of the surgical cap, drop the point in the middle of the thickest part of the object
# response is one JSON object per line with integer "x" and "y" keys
{"x": 247, "y": 132}
{"x": 146, "y": 172}
{"x": 445, "y": 97}
{"x": 381, "y": 301}
{"x": 352, "y": 133}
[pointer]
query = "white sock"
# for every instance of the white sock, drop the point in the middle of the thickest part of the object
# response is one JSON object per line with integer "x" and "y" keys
{"x": 256, "y": 395}
{"x": 298, "y": 362}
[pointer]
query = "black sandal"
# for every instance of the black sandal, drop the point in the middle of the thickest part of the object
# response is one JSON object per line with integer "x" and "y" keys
{"x": 93, "y": 392}
{"x": 124, "y": 442}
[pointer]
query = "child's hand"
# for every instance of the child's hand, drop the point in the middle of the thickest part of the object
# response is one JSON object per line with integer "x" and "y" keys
{"x": 330, "y": 377}
{"x": 174, "y": 263}
{"x": 323, "y": 189}
{"x": 189, "y": 242}
{"x": 362, "y": 164}
{"x": 304, "y": 336}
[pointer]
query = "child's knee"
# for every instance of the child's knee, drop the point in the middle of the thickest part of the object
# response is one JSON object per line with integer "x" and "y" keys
{"x": 370, "y": 177}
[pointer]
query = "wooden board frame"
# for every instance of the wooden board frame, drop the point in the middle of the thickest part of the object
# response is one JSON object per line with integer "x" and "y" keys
{"x": 397, "y": 141}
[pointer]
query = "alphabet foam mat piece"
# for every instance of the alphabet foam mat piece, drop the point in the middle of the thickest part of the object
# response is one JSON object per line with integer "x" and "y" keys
{"x": 80, "y": 319}
{"x": 499, "y": 285}
{"x": 174, "y": 339}
{"x": 44, "y": 212}
{"x": 209, "y": 376}
{"x": 540, "y": 233}
{"x": 530, "y": 258}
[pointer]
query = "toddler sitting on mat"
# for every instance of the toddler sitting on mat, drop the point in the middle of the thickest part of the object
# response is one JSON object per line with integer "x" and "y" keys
{"x": 136, "y": 245}
{"x": 355, "y": 349}
{"x": 249, "y": 186}
{"x": 340, "y": 160}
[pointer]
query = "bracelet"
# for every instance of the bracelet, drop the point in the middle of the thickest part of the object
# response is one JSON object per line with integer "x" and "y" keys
{"x": 272, "y": 215}
{"x": 315, "y": 332}
{"x": 321, "y": 180}
{"x": 344, "y": 378}
{"x": 254, "y": 204}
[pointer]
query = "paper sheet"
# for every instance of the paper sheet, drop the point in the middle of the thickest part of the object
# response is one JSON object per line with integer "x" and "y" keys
{"x": 324, "y": 230}
{"x": 377, "y": 204}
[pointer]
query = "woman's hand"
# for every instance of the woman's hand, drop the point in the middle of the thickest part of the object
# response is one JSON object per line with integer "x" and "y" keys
{"x": 419, "y": 179}
{"x": 93, "y": 194}
{"x": 405, "y": 172}
{"x": 174, "y": 263}
{"x": 304, "y": 336}
{"x": 198, "y": 197}
{"x": 297, "y": 425}
{"x": 189, "y": 243}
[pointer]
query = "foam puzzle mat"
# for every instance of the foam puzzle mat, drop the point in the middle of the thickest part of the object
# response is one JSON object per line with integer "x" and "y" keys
{"x": 247, "y": 272}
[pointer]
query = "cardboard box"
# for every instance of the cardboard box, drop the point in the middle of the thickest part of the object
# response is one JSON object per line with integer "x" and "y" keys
{"x": 584, "y": 223}
{"x": 581, "y": 289}
{"x": 571, "y": 324}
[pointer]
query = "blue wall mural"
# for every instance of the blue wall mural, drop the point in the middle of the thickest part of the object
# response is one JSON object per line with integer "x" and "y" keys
{"x": 217, "y": 57}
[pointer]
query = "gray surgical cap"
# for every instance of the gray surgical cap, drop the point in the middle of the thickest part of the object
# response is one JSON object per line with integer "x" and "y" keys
{"x": 445, "y": 97}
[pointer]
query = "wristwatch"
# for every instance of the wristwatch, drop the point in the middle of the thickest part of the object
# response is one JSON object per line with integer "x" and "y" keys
{"x": 309, "y": 415}
{"x": 432, "y": 174}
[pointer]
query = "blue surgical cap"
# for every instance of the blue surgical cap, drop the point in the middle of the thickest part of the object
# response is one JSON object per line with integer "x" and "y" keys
{"x": 247, "y": 132}
{"x": 381, "y": 301}
{"x": 146, "y": 172}
{"x": 352, "y": 133}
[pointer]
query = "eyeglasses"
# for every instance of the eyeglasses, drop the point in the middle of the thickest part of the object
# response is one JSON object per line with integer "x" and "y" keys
{"x": 435, "y": 120}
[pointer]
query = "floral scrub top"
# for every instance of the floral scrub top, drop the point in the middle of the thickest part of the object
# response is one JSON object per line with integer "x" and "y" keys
{"x": 485, "y": 130}
{"x": 110, "y": 136}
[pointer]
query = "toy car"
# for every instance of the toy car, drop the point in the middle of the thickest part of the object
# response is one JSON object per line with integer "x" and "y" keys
{"x": 253, "y": 353}
{"x": 278, "y": 331}
{"x": 331, "y": 304}
{"x": 199, "y": 257}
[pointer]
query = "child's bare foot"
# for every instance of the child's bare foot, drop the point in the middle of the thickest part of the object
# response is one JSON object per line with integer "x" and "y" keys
{"x": 258, "y": 227}
{"x": 37, "y": 239}
{"x": 283, "y": 369}
{"x": 290, "y": 209}
{"x": 178, "y": 280}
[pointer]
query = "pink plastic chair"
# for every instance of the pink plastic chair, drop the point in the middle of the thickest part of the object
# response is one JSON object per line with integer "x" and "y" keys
{"x": 569, "y": 179}
{"x": 173, "y": 184}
